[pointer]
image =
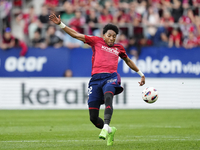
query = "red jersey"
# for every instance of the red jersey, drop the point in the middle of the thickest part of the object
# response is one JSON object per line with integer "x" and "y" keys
{"x": 186, "y": 19}
{"x": 104, "y": 58}
{"x": 175, "y": 37}
{"x": 7, "y": 41}
{"x": 198, "y": 40}
{"x": 170, "y": 19}
{"x": 192, "y": 42}
{"x": 106, "y": 19}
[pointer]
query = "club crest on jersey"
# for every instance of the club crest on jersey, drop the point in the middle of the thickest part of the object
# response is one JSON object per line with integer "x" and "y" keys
{"x": 110, "y": 50}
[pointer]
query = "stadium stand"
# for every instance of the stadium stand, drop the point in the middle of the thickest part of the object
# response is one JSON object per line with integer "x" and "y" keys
{"x": 146, "y": 22}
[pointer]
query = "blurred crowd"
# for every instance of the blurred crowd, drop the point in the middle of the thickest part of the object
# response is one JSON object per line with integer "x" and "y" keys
{"x": 171, "y": 23}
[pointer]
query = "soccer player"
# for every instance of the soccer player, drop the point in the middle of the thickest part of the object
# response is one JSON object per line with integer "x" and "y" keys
{"x": 105, "y": 81}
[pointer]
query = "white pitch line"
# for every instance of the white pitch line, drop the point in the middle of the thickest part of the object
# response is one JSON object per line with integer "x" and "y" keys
{"x": 64, "y": 141}
{"x": 144, "y": 126}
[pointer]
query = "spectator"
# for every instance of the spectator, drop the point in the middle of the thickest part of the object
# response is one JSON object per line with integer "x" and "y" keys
{"x": 124, "y": 4}
{"x": 17, "y": 3}
{"x": 105, "y": 16}
{"x": 68, "y": 73}
{"x": 91, "y": 20}
{"x": 190, "y": 14}
{"x": 33, "y": 25}
{"x": 71, "y": 42}
{"x": 186, "y": 22}
{"x": 191, "y": 41}
{"x": 166, "y": 5}
{"x": 78, "y": 4}
{"x": 121, "y": 18}
{"x": 51, "y": 4}
{"x": 197, "y": 24}
{"x": 10, "y": 41}
{"x": 68, "y": 14}
{"x": 137, "y": 30}
{"x": 108, "y": 5}
{"x": 196, "y": 6}
{"x": 93, "y": 4}
{"x": 175, "y": 38}
{"x": 51, "y": 38}
{"x": 5, "y": 7}
{"x": 134, "y": 47}
{"x": 160, "y": 38}
{"x": 167, "y": 22}
{"x": 37, "y": 40}
{"x": 151, "y": 19}
{"x": 198, "y": 40}
{"x": 177, "y": 10}
{"x": 167, "y": 19}
{"x": 122, "y": 39}
{"x": 157, "y": 4}
{"x": 141, "y": 7}
{"x": 186, "y": 4}
{"x": 136, "y": 20}
{"x": 132, "y": 12}
{"x": 28, "y": 18}
{"x": 44, "y": 16}
{"x": 22, "y": 45}
{"x": 78, "y": 21}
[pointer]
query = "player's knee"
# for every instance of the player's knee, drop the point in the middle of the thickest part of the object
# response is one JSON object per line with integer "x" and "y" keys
{"x": 108, "y": 98}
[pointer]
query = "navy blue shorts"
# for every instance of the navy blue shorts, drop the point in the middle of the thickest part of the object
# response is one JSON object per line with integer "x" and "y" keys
{"x": 99, "y": 85}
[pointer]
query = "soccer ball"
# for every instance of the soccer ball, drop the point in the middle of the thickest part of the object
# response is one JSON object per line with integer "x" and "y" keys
{"x": 150, "y": 95}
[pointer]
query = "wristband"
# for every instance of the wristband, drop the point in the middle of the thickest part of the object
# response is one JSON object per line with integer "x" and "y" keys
{"x": 140, "y": 73}
{"x": 62, "y": 25}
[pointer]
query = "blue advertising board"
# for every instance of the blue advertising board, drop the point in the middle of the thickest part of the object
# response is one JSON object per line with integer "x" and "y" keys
{"x": 52, "y": 62}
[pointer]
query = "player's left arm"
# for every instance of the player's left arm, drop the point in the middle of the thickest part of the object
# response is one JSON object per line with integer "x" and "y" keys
{"x": 133, "y": 66}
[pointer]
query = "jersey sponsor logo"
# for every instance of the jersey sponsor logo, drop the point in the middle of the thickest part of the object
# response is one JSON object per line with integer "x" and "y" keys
{"x": 111, "y": 80}
{"x": 110, "y": 50}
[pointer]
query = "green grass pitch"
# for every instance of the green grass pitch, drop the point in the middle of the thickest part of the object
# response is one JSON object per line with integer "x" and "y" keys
{"x": 71, "y": 130}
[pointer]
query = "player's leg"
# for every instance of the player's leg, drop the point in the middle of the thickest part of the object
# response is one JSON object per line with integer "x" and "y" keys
{"x": 112, "y": 87}
{"x": 94, "y": 114}
{"x": 94, "y": 102}
{"x": 108, "y": 98}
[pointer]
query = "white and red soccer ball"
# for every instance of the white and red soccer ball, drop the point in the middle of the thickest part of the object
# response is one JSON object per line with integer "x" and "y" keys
{"x": 150, "y": 95}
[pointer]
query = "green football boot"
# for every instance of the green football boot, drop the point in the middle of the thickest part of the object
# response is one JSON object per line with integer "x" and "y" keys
{"x": 103, "y": 134}
{"x": 111, "y": 136}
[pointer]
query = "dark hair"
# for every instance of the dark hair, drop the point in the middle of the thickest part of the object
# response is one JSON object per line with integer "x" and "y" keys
{"x": 50, "y": 26}
{"x": 110, "y": 27}
{"x": 31, "y": 7}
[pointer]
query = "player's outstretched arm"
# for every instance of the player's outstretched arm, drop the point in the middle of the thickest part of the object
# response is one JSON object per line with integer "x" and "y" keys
{"x": 68, "y": 30}
{"x": 132, "y": 65}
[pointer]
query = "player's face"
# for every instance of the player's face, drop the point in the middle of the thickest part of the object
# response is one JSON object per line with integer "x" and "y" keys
{"x": 110, "y": 37}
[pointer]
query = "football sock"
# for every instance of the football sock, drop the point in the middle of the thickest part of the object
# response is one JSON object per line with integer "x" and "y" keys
{"x": 107, "y": 127}
{"x": 108, "y": 97}
{"x": 94, "y": 118}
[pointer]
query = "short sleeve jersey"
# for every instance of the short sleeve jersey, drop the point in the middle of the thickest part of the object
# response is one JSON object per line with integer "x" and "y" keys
{"x": 104, "y": 58}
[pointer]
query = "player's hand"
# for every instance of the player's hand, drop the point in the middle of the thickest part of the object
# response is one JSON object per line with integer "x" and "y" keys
{"x": 142, "y": 81}
{"x": 55, "y": 19}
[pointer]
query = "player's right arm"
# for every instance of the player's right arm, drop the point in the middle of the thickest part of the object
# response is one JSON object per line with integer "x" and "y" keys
{"x": 132, "y": 65}
{"x": 68, "y": 30}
